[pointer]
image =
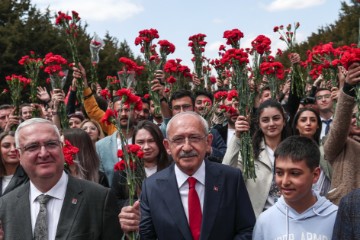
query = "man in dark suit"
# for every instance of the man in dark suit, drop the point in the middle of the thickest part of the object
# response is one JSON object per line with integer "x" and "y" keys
{"x": 221, "y": 210}
{"x": 76, "y": 209}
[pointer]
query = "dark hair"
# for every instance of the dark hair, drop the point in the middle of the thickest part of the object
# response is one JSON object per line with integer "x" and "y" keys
{"x": 321, "y": 89}
{"x": 5, "y": 106}
{"x": 2, "y": 136}
{"x": 87, "y": 159}
{"x": 180, "y": 94}
{"x": 162, "y": 158}
{"x": 299, "y": 148}
{"x": 204, "y": 93}
{"x": 316, "y": 136}
{"x": 22, "y": 106}
{"x": 307, "y": 100}
{"x": 258, "y": 134}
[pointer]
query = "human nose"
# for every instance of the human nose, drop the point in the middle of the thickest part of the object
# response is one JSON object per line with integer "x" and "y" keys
{"x": 43, "y": 150}
{"x": 285, "y": 179}
{"x": 187, "y": 145}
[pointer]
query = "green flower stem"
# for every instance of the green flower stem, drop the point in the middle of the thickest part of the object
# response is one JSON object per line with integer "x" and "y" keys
{"x": 63, "y": 116}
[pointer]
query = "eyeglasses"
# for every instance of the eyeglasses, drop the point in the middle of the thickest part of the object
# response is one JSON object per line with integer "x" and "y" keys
{"x": 180, "y": 140}
{"x": 184, "y": 107}
{"x": 35, "y": 147}
{"x": 326, "y": 96}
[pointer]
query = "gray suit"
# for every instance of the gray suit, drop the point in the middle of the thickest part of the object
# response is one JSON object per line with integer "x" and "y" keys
{"x": 88, "y": 212}
{"x": 107, "y": 149}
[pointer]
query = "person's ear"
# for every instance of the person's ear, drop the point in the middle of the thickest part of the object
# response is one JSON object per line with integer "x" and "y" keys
{"x": 316, "y": 174}
{"x": 209, "y": 139}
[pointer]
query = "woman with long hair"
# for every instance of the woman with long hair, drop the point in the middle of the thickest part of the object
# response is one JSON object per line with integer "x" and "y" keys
{"x": 307, "y": 123}
{"x": 12, "y": 174}
{"x": 93, "y": 128}
{"x": 86, "y": 163}
{"x": 149, "y": 137}
{"x": 270, "y": 130}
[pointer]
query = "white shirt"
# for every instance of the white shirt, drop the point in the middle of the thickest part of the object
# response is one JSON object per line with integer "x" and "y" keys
{"x": 150, "y": 170}
{"x": 183, "y": 186}
{"x": 230, "y": 134}
{"x": 53, "y": 206}
{"x": 323, "y": 127}
{"x": 5, "y": 182}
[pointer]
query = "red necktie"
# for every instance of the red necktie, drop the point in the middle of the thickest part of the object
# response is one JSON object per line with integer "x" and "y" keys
{"x": 195, "y": 215}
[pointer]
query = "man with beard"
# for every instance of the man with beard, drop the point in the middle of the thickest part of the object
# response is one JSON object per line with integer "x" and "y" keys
{"x": 107, "y": 147}
{"x": 203, "y": 103}
{"x": 144, "y": 114}
{"x": 156, "y": 118}
{"x": 228, "y": 130}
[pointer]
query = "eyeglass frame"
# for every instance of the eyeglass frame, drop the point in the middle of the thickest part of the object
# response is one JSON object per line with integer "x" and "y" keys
{"x": 191, "y": 139}
{"x": 40, "y": 145}
{"x": 321, "y": 97}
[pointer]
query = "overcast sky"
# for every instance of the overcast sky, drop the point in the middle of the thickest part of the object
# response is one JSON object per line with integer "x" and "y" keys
{"x": 176, "y": 20}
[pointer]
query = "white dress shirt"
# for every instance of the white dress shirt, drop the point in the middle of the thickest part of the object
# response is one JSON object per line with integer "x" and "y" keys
{"x": 323, "y": 127}
{"x": 53, "y": 206}
{"x": 5, "y": 182}
{"x": 183, "y": 186}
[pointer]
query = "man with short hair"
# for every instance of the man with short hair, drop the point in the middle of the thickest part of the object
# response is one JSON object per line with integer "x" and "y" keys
{"x": 325, "y": 106}
{"x": 182, "y": 101}
{"x": 5, "y": 111}
{"x": 227, "y": 131}
{"x": 107, "y": 147}
{"x": 194, "y": 198}
{"x": 54, "y": 205}
{"x": 144, "y": 114}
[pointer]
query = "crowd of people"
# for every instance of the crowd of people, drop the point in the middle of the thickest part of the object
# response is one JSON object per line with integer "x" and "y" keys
{"x": 304, "y": 149}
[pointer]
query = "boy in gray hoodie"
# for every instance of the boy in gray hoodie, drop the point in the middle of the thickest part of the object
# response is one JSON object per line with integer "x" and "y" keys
{"x": 300, "y": 213}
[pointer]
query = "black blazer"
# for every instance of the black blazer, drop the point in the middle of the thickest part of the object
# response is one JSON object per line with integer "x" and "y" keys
{"x": 20, "y": 177}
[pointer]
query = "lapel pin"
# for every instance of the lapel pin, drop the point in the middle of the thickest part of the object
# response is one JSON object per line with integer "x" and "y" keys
{"x": 74, "y": 201}
{"x": 216, "y": 189}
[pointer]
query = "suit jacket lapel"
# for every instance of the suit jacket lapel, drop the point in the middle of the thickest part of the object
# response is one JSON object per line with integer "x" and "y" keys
{"x": 214, "y": 186}
{"x": 22, "y": 214}
{"x": 170, "y": 192}
{"x": 18, "y": 178}
{"x": 72, "y": 203}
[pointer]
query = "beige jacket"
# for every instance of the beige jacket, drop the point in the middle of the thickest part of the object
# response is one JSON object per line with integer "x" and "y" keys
{"x": 258, "y": 189}
{"x": 342, "y": 152}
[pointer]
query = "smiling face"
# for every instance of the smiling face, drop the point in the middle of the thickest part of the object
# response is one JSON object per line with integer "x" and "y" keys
{"x": 148, "y": 145}
{"x": 202, "y": 104}
{"x": 26, "y": 112}
{"x": 307, "y": 124}
{"x": 8, "y": 151}
{"x": 295, "y": 180}
{"x": 271, "y": 122}
{"x": 187, "y": 142}
{"x": 44, "y": 164}
{"x": 92, "y": 130}
{"x": 324, "y": 101}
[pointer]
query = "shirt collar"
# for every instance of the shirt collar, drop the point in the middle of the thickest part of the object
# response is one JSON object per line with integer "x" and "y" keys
{"x": 58, "y": 191}
{"x": 182, "y": 177}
